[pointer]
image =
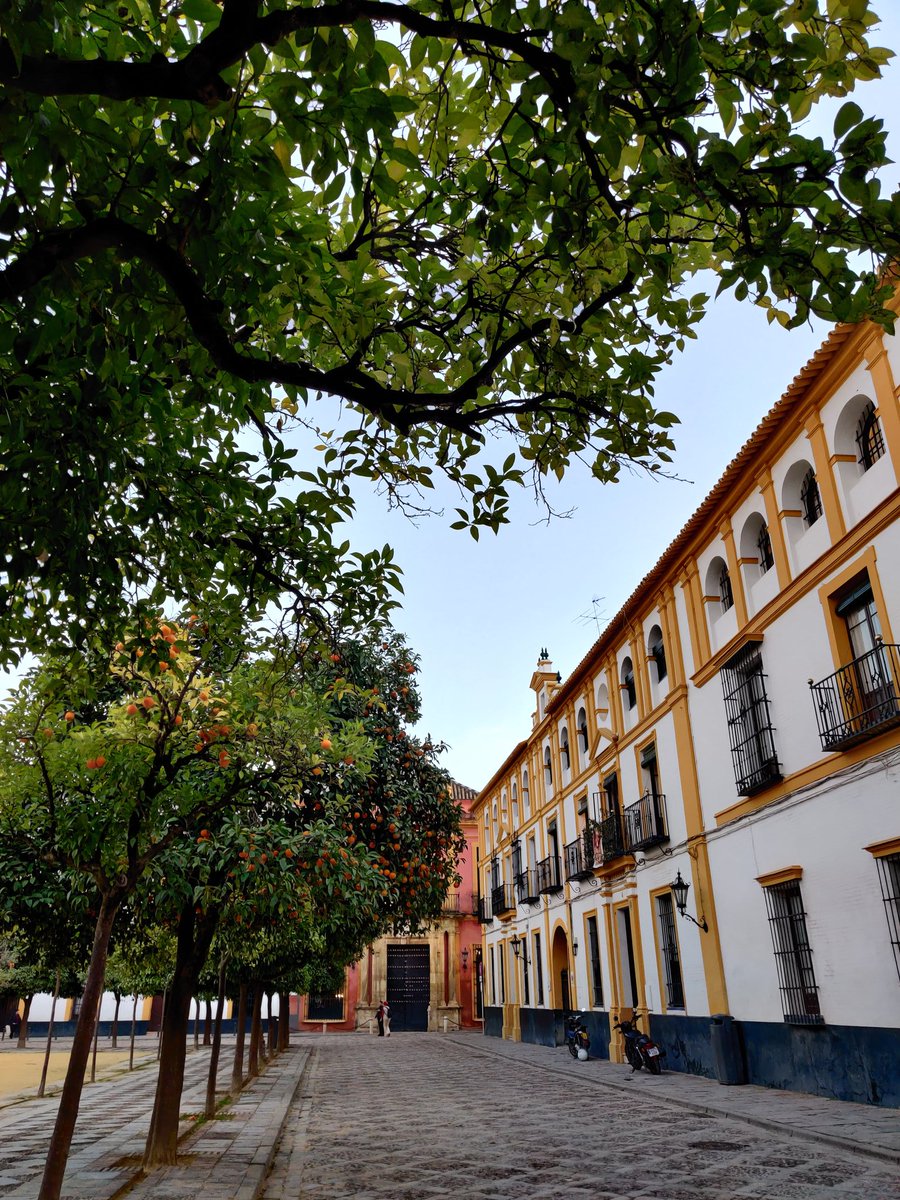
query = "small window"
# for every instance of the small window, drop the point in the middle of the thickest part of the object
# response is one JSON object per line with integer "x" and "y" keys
{"x": 889, "y": 876}
{"x": 538, "y": 971}
{"x": 869, "y": 437}
{"x": 793, "y": 956}
{"x": 628, "y": 686}
{"x": 526, "y": 800}
{"x": 764, "y": 546}
{"x": 725, "y": 593}
{"x": 810, "y": 499}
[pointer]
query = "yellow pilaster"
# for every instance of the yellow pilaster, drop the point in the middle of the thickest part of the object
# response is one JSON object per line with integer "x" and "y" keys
{"x": 886, "y": 396}
{"x": 734, "y": 570}
{"x": 776, "y": 529}
{"x": 815, "y": 432}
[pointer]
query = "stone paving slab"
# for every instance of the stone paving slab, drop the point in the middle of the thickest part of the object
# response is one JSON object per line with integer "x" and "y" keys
{"x": 859, "y": 1128}
{"x": 427, "y": 1117}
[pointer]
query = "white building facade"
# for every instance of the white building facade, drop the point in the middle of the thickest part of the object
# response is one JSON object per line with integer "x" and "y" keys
{"x": 738, "y": 725}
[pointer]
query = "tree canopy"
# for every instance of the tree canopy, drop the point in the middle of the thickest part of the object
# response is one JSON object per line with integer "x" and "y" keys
{"x": 452, "y": 217}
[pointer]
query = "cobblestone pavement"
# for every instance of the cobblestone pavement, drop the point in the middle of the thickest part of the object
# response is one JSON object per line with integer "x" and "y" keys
{"x": 422, "y": 1116}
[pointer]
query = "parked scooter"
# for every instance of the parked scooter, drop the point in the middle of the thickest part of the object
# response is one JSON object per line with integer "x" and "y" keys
{"x": 577, "y": 1039}
{"x": 640, "y": 1050}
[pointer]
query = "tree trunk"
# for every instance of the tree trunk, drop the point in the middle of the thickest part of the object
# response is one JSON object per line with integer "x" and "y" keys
{"x": 237, "y": 1071}
{"x": 255, "y": 1033}
{"x": 272, "y": 1046}
{"x": 133, "y": 1029}
{"x": 216, "y": 1045}
{"x": 43, "y": 1082}
{"x": 162, "y": 1021}
{"x": 23, "y": 1027}
{"x": 207, "y": 1023}
{"x": 197, "y": 1024}
{"x": 67, "y": 1114}
{"x": 96, "y": 1035}
{"x": 194, "y": 939}
{"x": 115, "y": 1024}
{"x": 284, "y": 1020}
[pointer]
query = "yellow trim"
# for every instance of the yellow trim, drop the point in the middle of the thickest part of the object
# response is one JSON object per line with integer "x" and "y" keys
{"x": 879, "y": 367}
{"x": 815, "y": 432}
{"x": 837, "y": 630}
{"x": 883, "y": 849}
{"x": 668, "y": 615}
{"x": 735, "y": 574}
{"x": 147, "y": 1008}
{"x": 785, "y": 875}
{"x": 839, "y": 458}
{"x": 789, "y": 512}
{"x": 766, "y": 486}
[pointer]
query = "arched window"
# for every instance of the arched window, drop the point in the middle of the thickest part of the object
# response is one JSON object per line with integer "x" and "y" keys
{"x": 657, "y": 652}
{"x": 628, "y": 687}
{"x": 810, "y": 500}
{"x": 526, "y": 799}
{"x": 564, "y": 749}
{"x": 548, "y": 767}
{"x": 869, "y": 437}
{"x": 581, "y": 722}
{"x": 725, "y": 593}
{"x": 764, "y": 546}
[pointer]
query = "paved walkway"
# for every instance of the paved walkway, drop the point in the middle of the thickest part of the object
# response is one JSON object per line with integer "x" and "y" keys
{"x": 429, "y": 1116}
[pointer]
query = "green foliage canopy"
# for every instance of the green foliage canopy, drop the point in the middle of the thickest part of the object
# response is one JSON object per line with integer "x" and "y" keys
{"x": 454, "y": 217}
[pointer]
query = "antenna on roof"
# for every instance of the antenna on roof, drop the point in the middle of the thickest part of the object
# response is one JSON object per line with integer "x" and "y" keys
{"x": 595, "y": 613}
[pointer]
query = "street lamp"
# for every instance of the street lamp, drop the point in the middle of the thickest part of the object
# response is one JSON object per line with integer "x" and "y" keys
{"x": 465, "y": 957}
{"x": 519, "y": 947}
{"x": 680, "y": 890}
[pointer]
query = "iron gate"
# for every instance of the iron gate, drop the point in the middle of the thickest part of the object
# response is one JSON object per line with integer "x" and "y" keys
{"x": 408, "y": 987}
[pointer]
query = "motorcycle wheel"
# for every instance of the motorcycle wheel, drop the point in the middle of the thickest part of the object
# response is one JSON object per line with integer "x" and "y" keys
{"x": 573, "y": 1049}
{"x": 653, "y": 1066}
{"x": 635, "y": 1060}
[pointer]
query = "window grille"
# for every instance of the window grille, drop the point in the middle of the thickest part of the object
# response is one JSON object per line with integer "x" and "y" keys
{"x": 749, "y": 722}
{"x": 516, "y": 858}
{"x": 764, "y": 546}
{"x": 668, "y": 949}
{"x": 325, "y": 1006}
{"x": 793, "y": 956}
{"x": 810, "y": 498}
{"x": 594, "y": 951}
{"x": 889, "y": 877}
{"x": 869, "y": 437}
{"x": 725, "y": 592}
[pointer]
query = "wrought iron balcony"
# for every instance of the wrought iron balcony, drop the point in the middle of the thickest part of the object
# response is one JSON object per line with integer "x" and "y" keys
{"x": 484, "y": 912}
{"x": 502, "y": 899}
{"x": 527, "y": 891}
{"x": 579, "y": 856}
{"x": 549, "y": 877}
{"x": 859, "y": 700}
{"x": 645, "y": 822}
{"x": 612, "y": 844}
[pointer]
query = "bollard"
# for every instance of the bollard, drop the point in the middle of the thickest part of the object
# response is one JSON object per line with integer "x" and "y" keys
{"x": 446, "y": 1025}
{"x": 371, "y": 1026}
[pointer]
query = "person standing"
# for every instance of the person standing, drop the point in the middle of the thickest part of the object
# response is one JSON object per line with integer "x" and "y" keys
{"x": 383, "y": 1017}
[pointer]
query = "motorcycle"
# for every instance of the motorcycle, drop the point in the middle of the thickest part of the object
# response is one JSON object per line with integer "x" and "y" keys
{"x": 577, "y": 1040}
{"x": 640, "y": 1050}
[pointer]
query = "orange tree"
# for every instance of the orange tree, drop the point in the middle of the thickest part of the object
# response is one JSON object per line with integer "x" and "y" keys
{"x": 103, "y": 773}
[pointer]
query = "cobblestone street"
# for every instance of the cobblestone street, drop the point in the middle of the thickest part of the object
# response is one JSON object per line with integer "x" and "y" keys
{"x": 418, "y": 1117}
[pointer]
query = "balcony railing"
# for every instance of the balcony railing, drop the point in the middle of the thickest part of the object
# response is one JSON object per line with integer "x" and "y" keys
{"x": 549, "y": 878}
{"x": 645, "y": 822}
{"x": 502, "y": 899}
{"x": 579, "y": 856}
{"x": 609, "y": 832}
{"x": 859, "y": 700}
{"x": 527, "y": 891}
{"x": 460, "y": 902}
{"x": 484, "y": 911}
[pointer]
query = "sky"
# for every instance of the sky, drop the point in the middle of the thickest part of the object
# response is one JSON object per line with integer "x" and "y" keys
{"x": 479, "y": 612}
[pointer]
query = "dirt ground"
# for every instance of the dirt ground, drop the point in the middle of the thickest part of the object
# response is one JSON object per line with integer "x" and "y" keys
{"x": 21, "y": 1069}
